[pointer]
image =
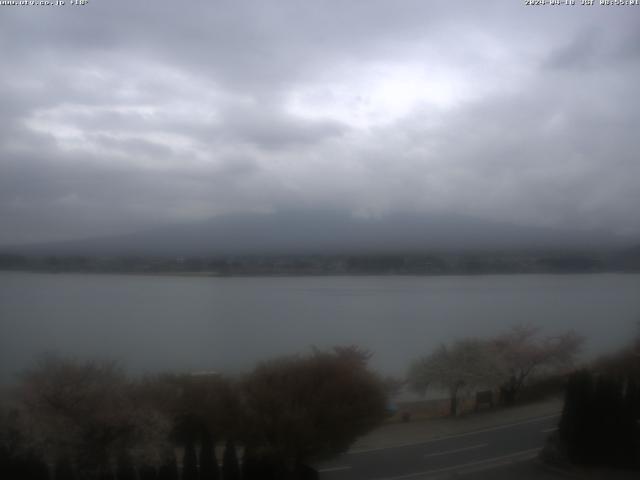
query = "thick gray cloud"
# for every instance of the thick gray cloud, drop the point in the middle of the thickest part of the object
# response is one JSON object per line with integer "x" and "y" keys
{"x": 118, "y": 116}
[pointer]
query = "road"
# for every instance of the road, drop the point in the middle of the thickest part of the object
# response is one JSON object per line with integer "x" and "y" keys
{"x": 447, "y": 455}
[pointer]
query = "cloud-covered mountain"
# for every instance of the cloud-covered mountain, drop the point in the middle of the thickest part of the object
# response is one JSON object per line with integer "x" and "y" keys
{"x": 318, "y": 232}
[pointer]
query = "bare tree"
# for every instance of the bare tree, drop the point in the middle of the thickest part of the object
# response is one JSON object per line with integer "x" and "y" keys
{"x": 85, "y": 411}
{"x": 203, "y": 407}
{"x": 522, "y": 351}
{"x": 311, "y": 407}
{"x": 463, "y": 364}
{"x": 507, "y": 361}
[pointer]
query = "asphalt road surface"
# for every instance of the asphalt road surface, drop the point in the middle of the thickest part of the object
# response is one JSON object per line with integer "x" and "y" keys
{"x": 447, "y": 455}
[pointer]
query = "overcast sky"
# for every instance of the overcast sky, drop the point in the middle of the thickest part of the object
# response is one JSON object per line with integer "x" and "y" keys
{"x": 120, "y": 115}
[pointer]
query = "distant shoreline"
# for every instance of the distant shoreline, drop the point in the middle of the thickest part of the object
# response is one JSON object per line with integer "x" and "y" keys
{"x": 354, "y": 264}
{"x": 212, "y": 274}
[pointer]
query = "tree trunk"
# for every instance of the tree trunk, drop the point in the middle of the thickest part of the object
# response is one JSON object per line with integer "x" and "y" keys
{"x": 508, "y": 391}
{"x": 453, "y": 402}
{"x": 208, "y": 461}
{"x": 230, "y": 466}
{"x": 190, "y": 462}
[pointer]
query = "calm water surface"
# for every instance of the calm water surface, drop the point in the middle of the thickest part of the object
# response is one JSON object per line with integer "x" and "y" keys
{"x": 227, "y": 324}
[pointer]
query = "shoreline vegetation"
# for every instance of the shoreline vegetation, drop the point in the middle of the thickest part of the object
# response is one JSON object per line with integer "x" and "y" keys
{"x": 110, "y": 425}
{"x": 89, "y": 420}
{"x": 437, "y": 264}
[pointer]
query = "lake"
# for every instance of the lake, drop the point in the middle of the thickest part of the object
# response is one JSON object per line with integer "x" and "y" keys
{"x": 228, "y": 324}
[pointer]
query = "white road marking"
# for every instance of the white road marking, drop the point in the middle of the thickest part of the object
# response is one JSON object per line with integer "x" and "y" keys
{"x": 489, "y": 462}
{"x": 457, "y": 435}
{"x": 463, "y": 449}
{"x": 334, "y": 469}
